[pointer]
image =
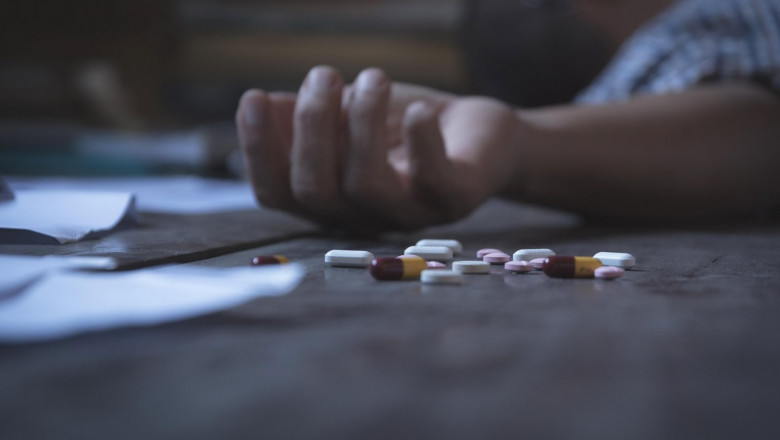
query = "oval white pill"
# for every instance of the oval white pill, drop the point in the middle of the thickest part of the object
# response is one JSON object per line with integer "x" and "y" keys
{"x": 532, "y": 254}
{"x": 619, "y": 259}
{"x": 482, "y": 252}
{"x": 342, "y": 258}
{"x": 454, "y": 245}
{"x": 471, "y": 267}
{"x": 609, "y": 272}
{"x": 439, "y": 276}
{"x": 519, "y": 266}
{"x": 435, "y": 253}
{"x": 496, "y": 258}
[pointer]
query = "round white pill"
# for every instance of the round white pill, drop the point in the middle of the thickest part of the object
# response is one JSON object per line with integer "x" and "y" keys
{"x": 609, "y": 272}
{"x": 471, "y": 267}
{"x": 440, "y": 276}
{"x": 435, "y": 265}
{"x": 454, "y": 245}
{"x": 435, "y": 253}
{"x": 342, "y": 258}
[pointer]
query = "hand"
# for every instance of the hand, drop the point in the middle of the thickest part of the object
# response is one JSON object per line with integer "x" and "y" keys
{"x": 375, "y": 155}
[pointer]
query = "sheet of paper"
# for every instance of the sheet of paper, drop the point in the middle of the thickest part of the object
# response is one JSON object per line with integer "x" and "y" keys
{"x": 176, "y": 195}
{"x": 18, "y": 272}
{"x": 65, "y": 303}
{"x": 41, "y": 216}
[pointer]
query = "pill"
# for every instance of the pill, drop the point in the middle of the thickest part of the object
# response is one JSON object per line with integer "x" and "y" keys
{"x": 435, "y": 253}
{"x": 532, "y": 254}
{"x": 482, "y": 252}
{"x": 626, "y": 261}
{"x": 609, "y": 272}
{"x": 471, "y": 267}
{"x": 341, "y": 258}
{"x": 570, "y": 267}
{"x": 436, "y": 265}
{"x": 440, "y": 276}
{"x": 454, "y": 245}
{"x": 265, "y": 260}
{"x": 496, "y": 258}
{"x": 390, "y": 269}
{"x": 519, "y": 266}
{"x": 537, "y": 263}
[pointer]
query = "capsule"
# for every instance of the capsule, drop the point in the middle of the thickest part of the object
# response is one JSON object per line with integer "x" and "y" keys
{"x": 265, "y": 260}
{"x": 392, "y": 269}
{"x": 570, "y": 267}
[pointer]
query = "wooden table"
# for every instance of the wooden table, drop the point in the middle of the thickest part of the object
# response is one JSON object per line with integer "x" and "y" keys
{"x": 685, "y": 346}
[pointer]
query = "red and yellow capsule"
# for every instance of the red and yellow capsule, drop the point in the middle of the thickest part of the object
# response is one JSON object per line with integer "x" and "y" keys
{"x": 391, "y": 269}
{"x": 265, "y": 260}
{"x": 570, "y": 267}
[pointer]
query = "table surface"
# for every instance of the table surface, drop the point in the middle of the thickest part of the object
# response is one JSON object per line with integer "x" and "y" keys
{"x": 685, "y": 346}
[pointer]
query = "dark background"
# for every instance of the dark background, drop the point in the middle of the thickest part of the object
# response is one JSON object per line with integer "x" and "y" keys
{"x": 149, "y": 64}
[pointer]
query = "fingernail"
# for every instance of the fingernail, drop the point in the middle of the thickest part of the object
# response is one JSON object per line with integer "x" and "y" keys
{"x": 370, "y": 80}
{"x": 251, "y": 110}
{"x": 320, "y": 79}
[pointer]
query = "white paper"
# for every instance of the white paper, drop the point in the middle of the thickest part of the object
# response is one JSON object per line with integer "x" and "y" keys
{"x": 65, "y": 303}
{"x": 18, "y": 272}
{"x": 176, "y": 195}
{"x": 63, "y": 215}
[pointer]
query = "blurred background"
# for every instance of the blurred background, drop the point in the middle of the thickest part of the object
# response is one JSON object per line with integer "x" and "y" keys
{"x": 151, "y": 86}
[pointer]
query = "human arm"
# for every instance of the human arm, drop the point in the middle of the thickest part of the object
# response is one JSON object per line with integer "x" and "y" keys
{"x": 711, "y": 150}
{"x": 372, "y": 160}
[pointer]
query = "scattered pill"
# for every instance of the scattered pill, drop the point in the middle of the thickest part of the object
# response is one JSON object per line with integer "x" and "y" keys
{"x": 390, "y": 269}
{"x": 537, "y": 263}
{"x": 341, "y": 258}
{"x": 482, "y": 252}
{"x": 519, "y": 266}
{"x": 441, "y": 277}
{"x": 496, "y": 258}
{"x": 532, "y": 254}
{"x": 454, "y": 245}
{"x": 609, "y": 272}
{"x": 471, "y": 267}
{"x": 570, "y": 267}
{"x": 436, "y": 265}
{"x": 265, "y": 260}
{"x": 626, "y": 261}
{"x": 435, "y": 253}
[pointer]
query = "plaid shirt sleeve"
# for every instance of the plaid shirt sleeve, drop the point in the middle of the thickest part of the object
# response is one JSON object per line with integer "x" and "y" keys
{"x": 695, "y": 42}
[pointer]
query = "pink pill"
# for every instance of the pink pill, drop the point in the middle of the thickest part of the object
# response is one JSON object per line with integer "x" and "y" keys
{"x": 496, "y": 258}
{"x": 609, "y": 272}
{"x": 436, "y": 265}
{"x": 537, "y": 263}
{"x": 519, "y": 266}
{"x": 482, "y": 252}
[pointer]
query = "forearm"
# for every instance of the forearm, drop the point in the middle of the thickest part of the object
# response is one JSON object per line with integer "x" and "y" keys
{"x": 714, "y": 150}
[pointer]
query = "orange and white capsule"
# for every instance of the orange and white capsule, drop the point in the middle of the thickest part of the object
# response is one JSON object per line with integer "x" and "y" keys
{"x": 393, "y": 269}
{"x": 570, "y": 267}
{"x": 265, "y": 260}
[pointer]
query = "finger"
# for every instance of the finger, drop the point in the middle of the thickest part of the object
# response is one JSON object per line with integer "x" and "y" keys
{"x": 315, "y": 146}
{"x": 432, "y": 173}
{"x": 368, "y": 178}
{"x": 267, "y": 157}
